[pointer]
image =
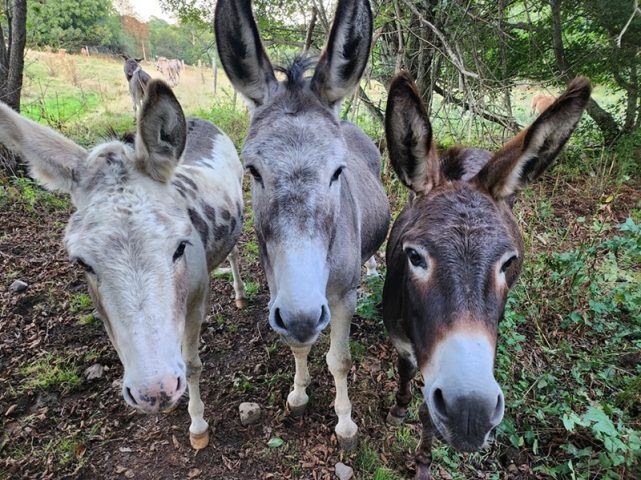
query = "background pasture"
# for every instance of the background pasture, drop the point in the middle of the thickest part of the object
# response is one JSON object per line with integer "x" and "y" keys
{"x": 569, "y": 349}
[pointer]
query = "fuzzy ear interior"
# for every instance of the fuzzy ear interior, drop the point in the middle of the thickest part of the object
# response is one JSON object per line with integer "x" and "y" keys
{"x": 242, "y": 53}
{"x": 525, "y": 157}
{"x": 345, "y": 56}
{"x": 409, "y": 137}
{"x": 54, "y": 160}
{"x": 162, "y": 132}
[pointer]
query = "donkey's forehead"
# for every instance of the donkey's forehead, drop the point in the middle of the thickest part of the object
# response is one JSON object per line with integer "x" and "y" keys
{"x": 457, "y": 212}
{"x": 306, "y": 137}
{"x": 127, "y": 218}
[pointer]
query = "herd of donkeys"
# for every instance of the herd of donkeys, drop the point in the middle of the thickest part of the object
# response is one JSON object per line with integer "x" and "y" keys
{"x": 154, "y": 215}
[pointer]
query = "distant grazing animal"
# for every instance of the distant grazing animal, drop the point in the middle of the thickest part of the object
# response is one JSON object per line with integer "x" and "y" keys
{"x": 319, "y": 207}
{"x": 540, "y": 102}
{"x": 137, "y": 79}
{"x": 170, "y": 69}
{"x": 152, "y": 220}
{"x": 453, "y": 253}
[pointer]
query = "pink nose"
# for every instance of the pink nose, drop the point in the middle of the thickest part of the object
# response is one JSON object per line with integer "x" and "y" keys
{"x": 155, "y": 395}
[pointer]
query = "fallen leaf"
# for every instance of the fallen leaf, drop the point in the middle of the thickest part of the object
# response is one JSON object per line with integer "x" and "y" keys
{"x": 80, "y": 451}
{"x": 275, "y": 442}
{"x": 194, "y": 472}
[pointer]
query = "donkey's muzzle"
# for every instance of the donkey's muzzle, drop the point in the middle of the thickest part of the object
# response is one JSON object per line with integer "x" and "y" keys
{"x": 464, "y": 419}
{"x": 299, "y": 326}
{"x": 155, "y": 395}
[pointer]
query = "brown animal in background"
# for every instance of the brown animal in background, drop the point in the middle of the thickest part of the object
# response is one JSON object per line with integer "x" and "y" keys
{"x": 137, "y": 79}
{"x": 453, "y": 254}
{"x": 541, "y": 102}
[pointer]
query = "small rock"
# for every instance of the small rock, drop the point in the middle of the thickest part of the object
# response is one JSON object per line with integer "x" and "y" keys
{"x": 18, "y": 286}
{"x": 95, "y": 371}
{"x": 249, "y": 412}
{"x": 130, "y": 474}
{"x": 343, "y": 472}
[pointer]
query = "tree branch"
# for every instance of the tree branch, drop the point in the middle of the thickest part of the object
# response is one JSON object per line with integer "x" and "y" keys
{"x": 502, "y": 120}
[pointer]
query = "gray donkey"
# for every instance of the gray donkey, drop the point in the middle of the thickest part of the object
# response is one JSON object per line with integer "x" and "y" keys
{"x": 137, "y": 80}
{"x": 320, "y": 209}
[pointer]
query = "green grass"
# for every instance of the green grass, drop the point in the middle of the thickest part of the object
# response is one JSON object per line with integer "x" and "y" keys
{"x": 80, "y": 302}
{"x": 27, "y": 194}
{"x": 251, "y": 289}
{"x": 49, "y": 372}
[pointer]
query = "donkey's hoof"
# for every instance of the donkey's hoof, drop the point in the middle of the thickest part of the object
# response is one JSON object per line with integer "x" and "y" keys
{"x": 171, "y": 409}
{"x": 199, "y": 440}
{"x": 348, "y": 443}
{"x": 297, "y": 411}
{"x": 241, "y": 303}
{"x": 394, "y": 420}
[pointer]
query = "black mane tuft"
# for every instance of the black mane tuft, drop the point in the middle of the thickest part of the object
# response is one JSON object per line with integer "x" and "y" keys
{"x": 295, "y": 70}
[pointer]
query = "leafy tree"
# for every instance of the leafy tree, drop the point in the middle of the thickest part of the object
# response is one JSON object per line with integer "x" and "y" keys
{"x": 69, "y": 24}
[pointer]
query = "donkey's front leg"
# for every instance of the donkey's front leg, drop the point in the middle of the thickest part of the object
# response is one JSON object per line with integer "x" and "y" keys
{"x": 239, "y": 286}
{"x": 424, "y": 450}
{"x": 339, "y": 362}
{"x": 297, "y": 398}
{"x": 198, "y": 430}
{"x": 406, "y": 372}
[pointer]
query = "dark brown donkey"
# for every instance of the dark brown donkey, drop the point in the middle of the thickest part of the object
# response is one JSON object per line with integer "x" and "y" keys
{"x": 452, "y": 256}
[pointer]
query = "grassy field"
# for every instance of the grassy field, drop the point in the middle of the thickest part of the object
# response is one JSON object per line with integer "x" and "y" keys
{"x": 569, "y": 355}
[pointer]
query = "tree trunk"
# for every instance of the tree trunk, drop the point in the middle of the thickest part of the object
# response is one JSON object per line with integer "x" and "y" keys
{"x": 310, "y": 30}
{"x": 632, "y": 89}
{"x": 11, "y": 67}
{"x": 603, "y": 119}
{"x": 12, "y": 61}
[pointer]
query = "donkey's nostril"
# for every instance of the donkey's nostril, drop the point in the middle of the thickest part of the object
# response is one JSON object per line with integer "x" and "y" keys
{"x": 131, "y": 397}
{"x": 497, "y": 415}
{"x": 279, "y": 320}
{"x": 178, "y": 384}
{"x": 323, "y": 316}
{"x": 439, "y": 403}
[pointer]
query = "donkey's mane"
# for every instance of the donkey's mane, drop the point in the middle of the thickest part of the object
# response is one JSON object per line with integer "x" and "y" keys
{"x": 128, "y": 138}
{"x": 295, "y": 70}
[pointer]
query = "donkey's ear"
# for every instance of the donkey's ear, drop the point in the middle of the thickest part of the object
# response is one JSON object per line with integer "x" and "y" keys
{"x": 241, "y": 51}
{"x": 162, "y": 132}
{"x": 525, "y": 157}
{"x": 343, "y": 61}
{"x": 409, "y": 136}
{"x": 55, "y": 161}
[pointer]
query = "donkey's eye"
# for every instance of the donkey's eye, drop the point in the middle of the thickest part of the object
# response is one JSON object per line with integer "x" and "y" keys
{"x": 507, "y": 263}
{"x": 415, "y": 258}
{"x": 337, "y": 174}
{"x": 254, "y": 173}
{"x": 85, "y": 267}
{"x": 180, "y": 251}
